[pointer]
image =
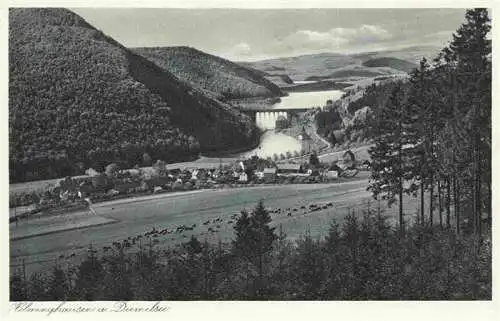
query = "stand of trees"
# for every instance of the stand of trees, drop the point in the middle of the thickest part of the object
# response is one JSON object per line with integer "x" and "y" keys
{"x": 328, "y": 121}
{"x": 222, "y": 78}
{"x": 78, "y": 99}
{"x": 434, "y": 133}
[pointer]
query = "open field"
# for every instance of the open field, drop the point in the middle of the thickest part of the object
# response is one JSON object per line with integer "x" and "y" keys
{"x": 35, "y": 186}
{"x": 361, "y": 153}
{"x": 132, "y": 217}
{"x": 42, "y": 225}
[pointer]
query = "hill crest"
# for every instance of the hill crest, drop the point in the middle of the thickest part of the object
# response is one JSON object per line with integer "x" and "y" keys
{"x": 79, "y": 99}
{"x": 224, "y": 78}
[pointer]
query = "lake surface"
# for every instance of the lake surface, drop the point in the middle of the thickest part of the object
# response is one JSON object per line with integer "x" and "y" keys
{"x": 308, "y": 99}
{"x": 277, "y": 143}
{"x": 272, "y": 142}
{"x": 300, "y": 82}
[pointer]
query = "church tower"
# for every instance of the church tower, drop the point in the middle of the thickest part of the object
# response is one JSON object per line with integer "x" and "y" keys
{"x": 305, "y": 141}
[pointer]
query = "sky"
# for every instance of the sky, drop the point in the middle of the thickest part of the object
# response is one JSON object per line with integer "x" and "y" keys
{"x": 247, "y": 35}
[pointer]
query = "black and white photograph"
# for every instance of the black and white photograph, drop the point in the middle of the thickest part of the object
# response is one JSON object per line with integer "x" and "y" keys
{"x": 249, "y": 154}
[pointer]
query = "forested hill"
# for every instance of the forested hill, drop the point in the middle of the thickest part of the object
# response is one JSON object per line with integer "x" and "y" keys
{"x": 391, "y": 62}
{"x": 79, "y": 99}
{"x": 224, "y": 78}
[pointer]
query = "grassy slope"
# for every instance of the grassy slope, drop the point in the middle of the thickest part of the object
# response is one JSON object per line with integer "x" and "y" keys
{"x": 410, "y": 54}
{"x": 301, "y": 67}
{"x": 224, "y": 78}
{"x": 394, "y": 63}
{"x": 331, "y": 65}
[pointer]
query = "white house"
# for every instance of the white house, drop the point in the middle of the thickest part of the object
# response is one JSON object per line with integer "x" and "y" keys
{"x": 194, "y": 174}
{"x": 243, "y": 177}
{"x": 113, "y": 192}
{"x": 331, "y": 174}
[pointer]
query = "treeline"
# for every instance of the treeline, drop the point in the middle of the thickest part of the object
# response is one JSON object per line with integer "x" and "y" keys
{"x": 362, "y": 258}
{"x": 78, "y": 99}
{"x": 374, "y": 95}
{"x": 330, "y": 121}
{"x": 433, "y": 134}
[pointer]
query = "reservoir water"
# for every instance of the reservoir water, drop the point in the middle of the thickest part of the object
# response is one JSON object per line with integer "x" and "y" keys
{"x": 277, "y": 143}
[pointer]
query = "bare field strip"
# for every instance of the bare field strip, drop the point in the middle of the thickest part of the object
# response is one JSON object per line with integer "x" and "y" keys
{"x": 33, "y": 227}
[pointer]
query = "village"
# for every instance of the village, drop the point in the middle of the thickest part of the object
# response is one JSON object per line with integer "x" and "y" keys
{"x": 115, "y": 183}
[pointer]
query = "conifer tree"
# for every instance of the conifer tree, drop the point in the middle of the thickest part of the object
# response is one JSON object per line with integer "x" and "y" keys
{"x": 417, "y": 107}
{"x": 254, "y": 239}
{"x": 89, "y": 274}
{"x": 243, "y": 242}
{"x": 17, "y": 288}
{"x": 388, "y": 157}
{"x": 263, "y": 234}
{"x": 470, "y": 54}
{"x": 58, "y": 287}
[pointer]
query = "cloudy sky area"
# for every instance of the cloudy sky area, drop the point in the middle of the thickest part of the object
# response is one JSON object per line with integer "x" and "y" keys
{"x": 241, "y": 35}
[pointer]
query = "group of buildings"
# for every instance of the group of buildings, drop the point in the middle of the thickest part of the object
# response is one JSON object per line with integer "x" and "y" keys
{"x": 160, "y": 179}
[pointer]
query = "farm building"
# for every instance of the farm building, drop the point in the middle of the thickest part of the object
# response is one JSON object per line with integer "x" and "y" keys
{"x": 289, "y": 168}
{"x": 331, "y": 174}
{"x": 313, "y": 172}
{"x": 270, "y": 172}
{"x": 243, "y": 178}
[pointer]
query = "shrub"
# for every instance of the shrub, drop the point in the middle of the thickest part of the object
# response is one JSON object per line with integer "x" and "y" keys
{"x": 177, "y": 186}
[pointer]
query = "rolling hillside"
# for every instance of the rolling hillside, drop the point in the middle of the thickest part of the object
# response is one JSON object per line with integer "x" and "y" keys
{"x": 225, "y": 79}
{"x": 410, "y": 54}
{"x": 343, "y": 66}
{"x": 79, "y": 99}
{"x": 390, "y": 62}
{"x": 302, "y": 67}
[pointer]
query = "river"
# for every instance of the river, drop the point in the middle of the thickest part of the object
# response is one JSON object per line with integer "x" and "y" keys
{"x": 277, "y": 143}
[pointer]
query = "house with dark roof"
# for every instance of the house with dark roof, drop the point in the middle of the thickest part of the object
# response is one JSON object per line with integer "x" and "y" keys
{"x": 270, "y": 172}
{"x": 290, "y": 168}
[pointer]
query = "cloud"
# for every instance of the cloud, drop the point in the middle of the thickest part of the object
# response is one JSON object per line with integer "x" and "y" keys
{"x": 241, "y": 49}
{"x": 335, "y": 38}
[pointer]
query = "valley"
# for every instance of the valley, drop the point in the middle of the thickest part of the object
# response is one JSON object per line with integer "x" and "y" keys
{"x": 236, "y": 154}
